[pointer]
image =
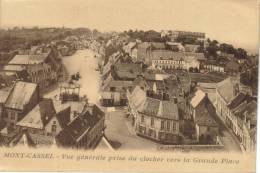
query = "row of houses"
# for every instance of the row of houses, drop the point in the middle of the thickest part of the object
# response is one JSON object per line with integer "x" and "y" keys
{"x": 238, "y": 109}
{"x": 28, "y": 118}
{"x": 174, "y": 55}
{"x": 42, "y": 68}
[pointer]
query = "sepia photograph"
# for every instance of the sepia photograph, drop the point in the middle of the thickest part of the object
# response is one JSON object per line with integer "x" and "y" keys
{"x": 129, "y": 82}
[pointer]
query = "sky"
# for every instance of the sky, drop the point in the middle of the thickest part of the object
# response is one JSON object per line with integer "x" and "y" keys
{"x": 231, "y": 21}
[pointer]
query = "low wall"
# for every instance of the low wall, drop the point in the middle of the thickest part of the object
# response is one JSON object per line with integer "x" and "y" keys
{"x": 216, "y": 147}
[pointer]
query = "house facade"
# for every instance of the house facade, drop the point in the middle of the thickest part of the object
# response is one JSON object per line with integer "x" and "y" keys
{"x": 202, "y": 112}
{"x": 155, "y": 119}
{"x": 176, "y": 60}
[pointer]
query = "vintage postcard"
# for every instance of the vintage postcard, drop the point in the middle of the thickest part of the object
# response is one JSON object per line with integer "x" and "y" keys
{"x": 129, "y": 85}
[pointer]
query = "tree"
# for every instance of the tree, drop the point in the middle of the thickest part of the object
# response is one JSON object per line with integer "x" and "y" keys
{"x": 241, "y": 53}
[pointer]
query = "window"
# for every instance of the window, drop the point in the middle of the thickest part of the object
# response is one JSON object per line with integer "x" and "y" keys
{"x": 53, "y": 128}
{"x": 174, "y": 128}
{"x": 112, "y": 89}
{"x": 162, "y": 125}
{"x": 152, "y": 122}
{"x": 168, "y": 125}
{"x": 142, "y": 118}
{"x": 12, "y": 115}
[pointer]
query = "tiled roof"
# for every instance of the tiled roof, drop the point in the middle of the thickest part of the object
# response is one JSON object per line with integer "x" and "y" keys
{"x": 15, "y": 68}
{"x": 110, "y": 82}
{"x": 29, "y": 59}
{"x": 247, "y": 109}
{"x": 20, "y": 95}
{"x": 80, "y": 126}
{"x": 226, "y": 89}
{"x": 39, "y": 116}
{"x": 153, "y": 107}
{"x": 23, "y": 139}
{"x": 159, "y": 108}
{"x": 4, "y": 92}
{"x": 138, "y": 97}
{"x": 64, "y": 117}
{"x": 130, "y": 71}
{"x": 237, "y": 100}
{"x": 158, "y": 45}
{"x": 171, "y": 55}
{"x": 199, "y": 96}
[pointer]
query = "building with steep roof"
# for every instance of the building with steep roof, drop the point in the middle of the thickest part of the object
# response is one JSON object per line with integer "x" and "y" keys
{"x": 126, "y": 72}
{"x": 21, "y": 99}
{"x": 43, "y": 122}
{"x": 85, "y": 131}
{"x": 203, "y": 113}
{"x": 153, "y": 118}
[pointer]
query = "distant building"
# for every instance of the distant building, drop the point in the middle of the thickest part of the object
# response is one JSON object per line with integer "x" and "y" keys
{"x": 191, "y": 48}
{"x": 144, "y": 52}
{"x": 126, "y": 72}
{"x": 114, "y": 92}
{"x": 41, "y": 68}
{"x": 176, "y": 60}
{"x": 214, "y": 66}
{"x": 174, "y": 35}
{"x": 131, "y": 50}
{"x": 174, "y": 46}
{"x": 85, "y": 131}
{"x": 232, "y": 67}
{"x": 154, "y": 118}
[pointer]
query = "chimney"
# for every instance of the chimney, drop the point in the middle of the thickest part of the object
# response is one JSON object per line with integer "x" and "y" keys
{"x": 175, "y": 100}
{"x": 248, "y": 124}
{"x": 244, "y": 118}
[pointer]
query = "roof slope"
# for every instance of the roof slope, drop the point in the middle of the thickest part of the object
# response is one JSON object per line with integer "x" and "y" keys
{"x": 80, "y": 126}
{"x": 199, "y": 96}
{"x": 152, "y": 106}
{"x": 20, "y": 95}
{"x": 29, "y": 59}
{"x": 39, "y": 116}
{"x": 226, "y": 89}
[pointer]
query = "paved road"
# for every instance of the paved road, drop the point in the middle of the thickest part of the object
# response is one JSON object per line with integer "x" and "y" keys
{"x": 83, "y": 61}
{"x": 229, "y": 140}
{"x": 121, "y": 134}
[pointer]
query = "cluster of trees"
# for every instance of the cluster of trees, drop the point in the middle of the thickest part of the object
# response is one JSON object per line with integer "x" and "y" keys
{"x": 19, "y": 37}
{"x": 250, "y": 78}
{"x": 147, "y": 36}
{"x": 214, "y": 46}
